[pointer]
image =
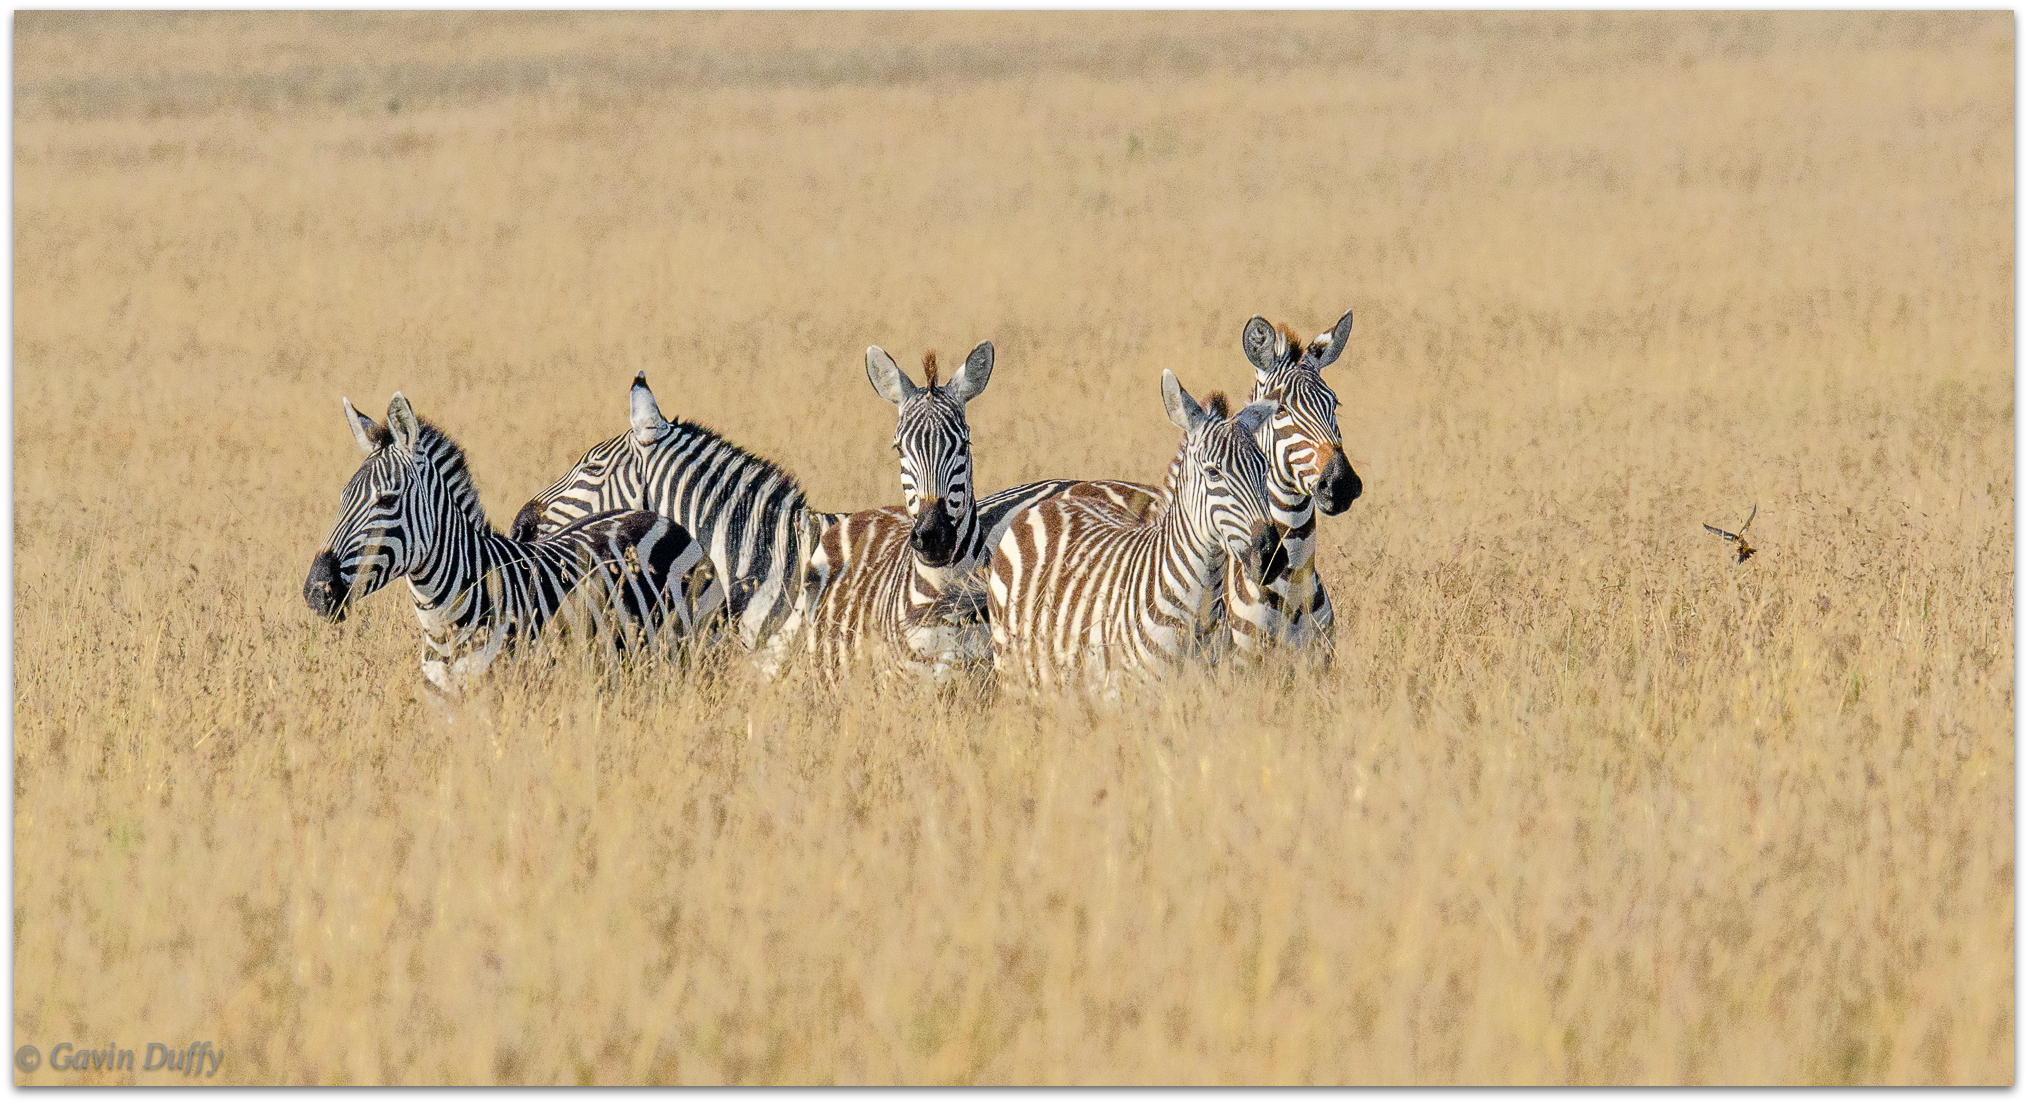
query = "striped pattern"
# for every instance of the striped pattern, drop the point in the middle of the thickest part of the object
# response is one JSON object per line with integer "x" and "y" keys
{"x": 1290, "y": 607}
{"x": 1307, "y": 470}
{"x": 750, "y": 516}
{"x": 412, "y": 511}
{"x": 898, "y": 585}
{"x": 1241, "y": 615}
{"x": 1095, "y": 587}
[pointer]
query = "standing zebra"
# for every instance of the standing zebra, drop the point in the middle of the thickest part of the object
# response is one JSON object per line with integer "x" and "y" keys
{"x": 905, "y": 578}
{"x": 412, "y": 510}
{"x": 1086, "y": 589}
{"x": 1284, "y": 603}
{"x": 750, "y": 515}
{"x": 1307, "y": 470}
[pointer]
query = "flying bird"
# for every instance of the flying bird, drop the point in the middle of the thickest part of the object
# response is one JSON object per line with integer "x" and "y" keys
{"x": 1739, "y": 538}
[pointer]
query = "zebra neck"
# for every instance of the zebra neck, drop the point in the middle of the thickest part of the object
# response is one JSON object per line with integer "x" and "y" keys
{"x": 1177, "y": 540}
{"x": 749, "y": 515}
{"x": 1296, "y": 514}
{"x": 1179, "y": 543}
{"x": 972, "y": 551}
{"x": 450, "y": 580}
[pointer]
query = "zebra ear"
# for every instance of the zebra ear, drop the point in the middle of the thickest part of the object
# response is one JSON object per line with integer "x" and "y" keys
{"x": 1326, "y": 348}
{"x": 1263, "y": 344}
{"x": 971, "y": 379}
{"x": 402, "y": 422}
{"x": 643, "y": 414}
{"x": 1249, "y": 420}
{"x": 889, "y": 381}
{"x": 365, "y": 430}
{"x": 1183, "y": 410}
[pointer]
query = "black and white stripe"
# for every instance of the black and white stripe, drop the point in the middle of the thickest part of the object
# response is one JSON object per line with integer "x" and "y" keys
{"x": 749, "y": 515}
{"x": 1307, "y": 470}
{"x": 412, "y": 511}
{"x": 1096, "y": 585}
{"x": 904, "y": 582}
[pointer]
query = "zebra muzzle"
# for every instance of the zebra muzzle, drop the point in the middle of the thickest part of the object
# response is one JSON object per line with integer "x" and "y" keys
{"x": 1265, "y": 554}
{"x": 934, "y": 538}
{"x": 325, "y": 589}
{"x": 1339, "y": 484}
{"x": 528, "y": 523}
{"x": 1271, "y": 553}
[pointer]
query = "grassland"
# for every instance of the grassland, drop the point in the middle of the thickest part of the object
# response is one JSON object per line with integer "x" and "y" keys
{"x": 1581, "y": 800}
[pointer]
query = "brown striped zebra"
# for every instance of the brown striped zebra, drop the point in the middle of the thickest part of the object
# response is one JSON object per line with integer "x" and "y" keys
{"x": 1092, "y": 588}
{"x": 899, "y": 583}
{"x": 1285, "y": 604}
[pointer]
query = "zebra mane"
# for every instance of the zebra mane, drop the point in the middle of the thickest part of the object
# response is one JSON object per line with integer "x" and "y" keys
{"x": 1297, "y": 346}
{"x": 929, "y": 366}
{"x": 1217, "y": 405}
{"x": 448, "y": 458}
{"x": 713, "y": 438}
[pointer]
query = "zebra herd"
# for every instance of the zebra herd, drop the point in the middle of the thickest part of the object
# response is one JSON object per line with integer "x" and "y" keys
{"x": 668, "y": 533}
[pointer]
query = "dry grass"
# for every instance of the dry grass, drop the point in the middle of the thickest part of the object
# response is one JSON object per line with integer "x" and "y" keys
{"x": 1581, "y": 802}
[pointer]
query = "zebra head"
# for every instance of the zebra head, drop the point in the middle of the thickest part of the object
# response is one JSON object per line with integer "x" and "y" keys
{"x": 411, "y": 473}
{"x": 935, "y": 446}
{"x": 1303, "y": 446}
{"x": 607, "y": 477}
{"x": 1221, "y": 474}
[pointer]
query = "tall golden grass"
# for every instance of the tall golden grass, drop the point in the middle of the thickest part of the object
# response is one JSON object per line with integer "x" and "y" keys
{"x": 1581, "y": 800}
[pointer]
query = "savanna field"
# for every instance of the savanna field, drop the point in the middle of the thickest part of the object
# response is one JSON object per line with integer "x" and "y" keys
{"x": 1581, "y": 800}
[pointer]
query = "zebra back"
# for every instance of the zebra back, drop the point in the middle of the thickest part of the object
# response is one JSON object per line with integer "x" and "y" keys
{"x": 749, "y": 515}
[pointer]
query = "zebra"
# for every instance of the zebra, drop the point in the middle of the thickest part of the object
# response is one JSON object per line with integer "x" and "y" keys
{"x": 751, "y": 515}
{"x": 1086, "y": 588}
{"x": 906, "y": 576}
{"x": 1307, "y": 471}
{"x": 1285, "y": 603}
{"x": 412, "y": 510}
